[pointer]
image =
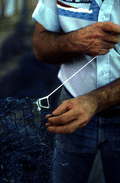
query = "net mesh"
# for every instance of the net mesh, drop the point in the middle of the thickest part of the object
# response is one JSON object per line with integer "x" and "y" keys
{"x": 26, "y": 146}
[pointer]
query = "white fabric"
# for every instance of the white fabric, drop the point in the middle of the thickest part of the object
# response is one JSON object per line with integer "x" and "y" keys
{"x": 56, "y": 17}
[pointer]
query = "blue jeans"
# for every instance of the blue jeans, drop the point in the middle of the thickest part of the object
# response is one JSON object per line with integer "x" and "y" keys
{"x": 74, "y": 153}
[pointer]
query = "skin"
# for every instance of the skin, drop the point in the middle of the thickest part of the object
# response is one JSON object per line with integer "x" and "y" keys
{"x": 95, "y": 39}
{"x": 75, "y": 113}
{"x": 98, "y": 38}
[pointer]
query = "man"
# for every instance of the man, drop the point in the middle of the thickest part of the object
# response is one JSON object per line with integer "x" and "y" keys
{"x": 70, "y": 33}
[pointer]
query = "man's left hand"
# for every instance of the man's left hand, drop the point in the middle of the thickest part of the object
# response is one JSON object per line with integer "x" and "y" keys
{"x": 72, "y": 114}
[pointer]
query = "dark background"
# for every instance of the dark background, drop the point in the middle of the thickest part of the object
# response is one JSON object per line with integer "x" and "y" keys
{"x": 21, "y": 74}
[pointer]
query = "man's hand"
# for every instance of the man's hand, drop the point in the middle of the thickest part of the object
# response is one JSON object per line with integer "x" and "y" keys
{"x": 75, "y": 113}
{"x": 72, "y": 114}
{"x": 96, "y": 39}
{"x": 57, "y": 48}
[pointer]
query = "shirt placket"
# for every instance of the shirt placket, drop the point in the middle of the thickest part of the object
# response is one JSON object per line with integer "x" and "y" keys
{"x": 103, "y": 61}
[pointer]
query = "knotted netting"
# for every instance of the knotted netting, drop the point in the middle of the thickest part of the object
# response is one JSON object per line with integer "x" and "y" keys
{"x": 26, "y": 147}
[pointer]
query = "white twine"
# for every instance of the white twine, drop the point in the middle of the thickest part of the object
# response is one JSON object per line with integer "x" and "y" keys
{"x": 39, "y": 104}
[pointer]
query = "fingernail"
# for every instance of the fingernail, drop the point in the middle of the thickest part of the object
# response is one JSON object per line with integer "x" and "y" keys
{"x": 49, "y": 115}
{"x": 47, "y": 125}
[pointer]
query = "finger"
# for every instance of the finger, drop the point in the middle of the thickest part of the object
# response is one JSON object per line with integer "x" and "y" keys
{"x": 60, "y": 110}
{"x": 64, "y": 107}
{"x": 111, "y": 38}
{"x": 63, "y": 118}
{"x": 104, "y": 51}
{"x": 64, "y": 129}
{"x": 49, "y": 115}
{"x": 111, "y": 27}
{"x": 107, "y": 45}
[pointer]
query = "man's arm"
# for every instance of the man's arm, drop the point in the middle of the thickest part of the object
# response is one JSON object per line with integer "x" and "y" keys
{"x": 75, "y": 113}
{"x": 57, "y": 48}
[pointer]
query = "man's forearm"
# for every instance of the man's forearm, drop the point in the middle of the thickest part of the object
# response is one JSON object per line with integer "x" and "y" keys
{"x": 60, "y": 48}
{"x": 107, "y": 96}
{"x": 52, "y": 47}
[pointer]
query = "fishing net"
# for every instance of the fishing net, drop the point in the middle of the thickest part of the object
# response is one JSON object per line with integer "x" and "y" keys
{"x": 26, "y": 153}
{"x": 26, "y": 146}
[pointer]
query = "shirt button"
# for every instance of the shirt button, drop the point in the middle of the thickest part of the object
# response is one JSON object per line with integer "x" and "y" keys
{"x": 103, "y": 72}
{"x": 103, "y": 17}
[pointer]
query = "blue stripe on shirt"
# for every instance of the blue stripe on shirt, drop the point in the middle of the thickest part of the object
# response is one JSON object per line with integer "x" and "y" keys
{"x": 86, "y": 16}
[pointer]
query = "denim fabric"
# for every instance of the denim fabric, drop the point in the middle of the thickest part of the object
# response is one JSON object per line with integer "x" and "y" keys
{"x": 74, "y": 153}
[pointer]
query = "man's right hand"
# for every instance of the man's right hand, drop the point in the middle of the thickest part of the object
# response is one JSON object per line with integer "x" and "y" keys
{"x": 96, "y": 39}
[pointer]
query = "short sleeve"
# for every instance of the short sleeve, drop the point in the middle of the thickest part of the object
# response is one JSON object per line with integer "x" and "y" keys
{"x": 46, "y": 14}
